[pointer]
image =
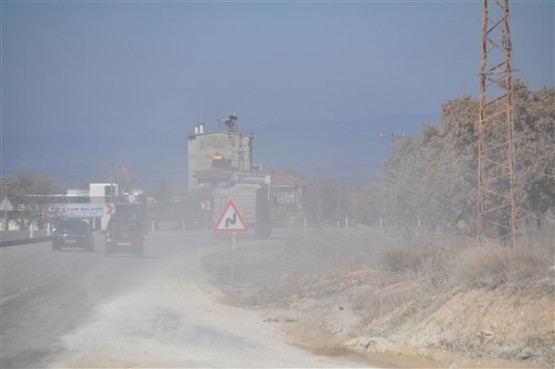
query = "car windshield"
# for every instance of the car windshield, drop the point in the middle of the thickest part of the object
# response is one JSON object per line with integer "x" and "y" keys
{"x": 75, "y": 226}
{"x": 123, "y": 226}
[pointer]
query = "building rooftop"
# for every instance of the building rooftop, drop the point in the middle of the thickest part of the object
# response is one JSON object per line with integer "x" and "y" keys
{"x": 280, "y": 178}
{"x": 277, "y": 178}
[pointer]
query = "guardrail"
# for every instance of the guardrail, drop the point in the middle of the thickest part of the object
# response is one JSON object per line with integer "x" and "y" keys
{"x": 12, "y": 238}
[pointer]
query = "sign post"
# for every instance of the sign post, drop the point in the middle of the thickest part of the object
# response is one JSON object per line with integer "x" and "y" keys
{"x": 231, "y": 221}
{"x": 232, "y": 258}
{"x": 205, "y": 206}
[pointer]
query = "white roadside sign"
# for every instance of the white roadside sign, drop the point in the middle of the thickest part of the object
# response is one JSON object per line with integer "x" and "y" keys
{"x": 79, "y": 210}
{"x": 205, "y": 205}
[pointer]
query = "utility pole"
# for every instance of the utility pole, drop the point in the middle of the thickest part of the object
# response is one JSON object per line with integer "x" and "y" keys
{"x": 393, "y": 138}
{"x": 496, "y": 204}
{"x": 318, "y": 200}
{"x": 112, "y": 183}
{"x": 338, "y": 202}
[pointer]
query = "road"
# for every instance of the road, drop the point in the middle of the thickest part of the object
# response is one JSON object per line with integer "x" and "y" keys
{"x": 77, "y": 309}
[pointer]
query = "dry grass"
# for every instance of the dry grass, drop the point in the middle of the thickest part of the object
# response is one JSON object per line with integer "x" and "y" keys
{"x": 434, "y": 272}
{"x": 492, "y": 267}
{"x": 393, "y": 286}
{"x": 399, "y": 260}
{"x": 433, "y": 264}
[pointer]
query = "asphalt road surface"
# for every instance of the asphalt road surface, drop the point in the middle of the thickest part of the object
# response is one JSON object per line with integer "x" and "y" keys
{"x": 78, "y": 309}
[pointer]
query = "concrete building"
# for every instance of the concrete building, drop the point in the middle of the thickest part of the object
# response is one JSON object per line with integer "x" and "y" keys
{"x": 223, "y": 151}
{"x": 102, "y": 192}
{"x": 223, "y": 161}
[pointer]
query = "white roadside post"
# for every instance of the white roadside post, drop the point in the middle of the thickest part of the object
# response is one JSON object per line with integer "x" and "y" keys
{"x": 205, "y": 207}
{"x": 268, "y": 181}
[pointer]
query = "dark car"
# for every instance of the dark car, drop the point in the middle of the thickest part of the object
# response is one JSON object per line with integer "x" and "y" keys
{"x": 124, "y": 235}
{"x": 73, "y": 233}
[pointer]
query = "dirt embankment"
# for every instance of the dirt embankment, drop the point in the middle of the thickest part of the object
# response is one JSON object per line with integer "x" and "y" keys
{"x": 436, "y": 302}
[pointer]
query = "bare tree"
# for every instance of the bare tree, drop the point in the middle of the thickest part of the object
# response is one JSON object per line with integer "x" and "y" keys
{"x": 28, "y": 193}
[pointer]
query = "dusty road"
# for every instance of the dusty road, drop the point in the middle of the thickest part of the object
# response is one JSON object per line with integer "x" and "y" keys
{"x": 78, "y": 309}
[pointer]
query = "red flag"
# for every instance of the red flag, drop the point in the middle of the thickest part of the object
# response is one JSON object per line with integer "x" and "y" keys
{"x": 125, "y": 170}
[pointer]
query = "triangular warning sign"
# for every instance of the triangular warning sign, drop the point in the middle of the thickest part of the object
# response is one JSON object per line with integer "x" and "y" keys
{"x": 230, "y": 220}
{"x": 6, "y": 205}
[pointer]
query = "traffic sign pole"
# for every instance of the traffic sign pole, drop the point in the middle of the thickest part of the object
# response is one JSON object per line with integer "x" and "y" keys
{"x": 232, "y": 257}
{"x": 231, "y": 221}
{"x": 205, "y": 219}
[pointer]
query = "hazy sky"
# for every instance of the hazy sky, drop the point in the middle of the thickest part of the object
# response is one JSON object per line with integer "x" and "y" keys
{"x": 88, "y": 82}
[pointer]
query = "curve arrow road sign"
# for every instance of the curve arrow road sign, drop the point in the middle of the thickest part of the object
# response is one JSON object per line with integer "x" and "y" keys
{"x": 109, "y": 209}
{"x": 230, "y": 220}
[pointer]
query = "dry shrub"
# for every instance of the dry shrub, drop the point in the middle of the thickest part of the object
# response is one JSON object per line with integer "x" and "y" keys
{"x": 407, "y": 259}
{"x": 433, "y": 272}
{"x": 400, "y": 260}
{"x": 494, "y": 266}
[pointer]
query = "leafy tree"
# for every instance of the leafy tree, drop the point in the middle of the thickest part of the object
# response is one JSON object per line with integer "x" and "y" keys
{"x": 402, "y": 184}
{"x": 434, "y": 176}
{"x": 358, "y": 204}
{"x": 534, "y": 138}
{"x": 451, "y": 165}
{"x": 164, "y": 207}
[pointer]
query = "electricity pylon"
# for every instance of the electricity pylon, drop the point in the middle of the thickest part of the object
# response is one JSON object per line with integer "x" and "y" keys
{"x": 496, "y": 201}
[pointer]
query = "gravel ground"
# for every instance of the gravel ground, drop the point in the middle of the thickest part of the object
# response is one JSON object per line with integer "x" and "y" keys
{"x": 330, "y": 292}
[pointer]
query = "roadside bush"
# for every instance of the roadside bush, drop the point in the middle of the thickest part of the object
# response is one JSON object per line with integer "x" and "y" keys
{"x": 492, "y": 267}
{"x": 399, "y": 260}
{"x": 427, "y": 265}
{"x": 433, "y": 272}
{"x": 403, "y": 259}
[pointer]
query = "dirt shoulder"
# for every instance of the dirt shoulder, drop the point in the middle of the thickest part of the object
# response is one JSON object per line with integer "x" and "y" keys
{"x": 427, "y": 303}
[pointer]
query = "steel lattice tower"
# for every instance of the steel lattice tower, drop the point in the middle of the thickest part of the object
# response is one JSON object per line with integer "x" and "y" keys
{"x": 496, "y": 216}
